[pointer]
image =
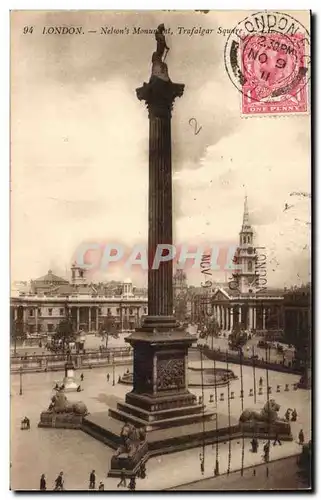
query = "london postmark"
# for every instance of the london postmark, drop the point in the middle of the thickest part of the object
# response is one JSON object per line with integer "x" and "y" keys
{"x": 267, "y": 58}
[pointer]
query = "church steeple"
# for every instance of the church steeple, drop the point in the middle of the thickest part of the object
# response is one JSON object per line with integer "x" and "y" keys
{"x": 246, "y": 217}
{"x": 245, "y": 254}
{"x": 246, "y": 233}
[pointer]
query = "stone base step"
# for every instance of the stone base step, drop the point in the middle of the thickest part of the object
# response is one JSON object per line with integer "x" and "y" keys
{"x": 162, "y": 441}
{"x": 160, "y": 424}
{"x": 160, "y": 414}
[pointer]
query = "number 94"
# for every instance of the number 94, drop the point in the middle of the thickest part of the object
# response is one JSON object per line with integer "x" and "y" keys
{"x": 27, "y": 29}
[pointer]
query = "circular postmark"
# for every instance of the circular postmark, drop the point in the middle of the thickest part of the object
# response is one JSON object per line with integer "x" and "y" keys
{"x": 267, "y": 58}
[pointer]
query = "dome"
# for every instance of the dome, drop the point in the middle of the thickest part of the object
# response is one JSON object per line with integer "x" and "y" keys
{"x": 128, "y": 281}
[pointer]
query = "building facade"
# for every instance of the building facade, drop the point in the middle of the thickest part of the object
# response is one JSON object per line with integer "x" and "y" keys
{"x": 297, "y": 316}
{"x": 52, "y": 298}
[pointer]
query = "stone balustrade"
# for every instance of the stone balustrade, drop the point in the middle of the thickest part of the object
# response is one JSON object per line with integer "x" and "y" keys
{"x": 56, "y": 362}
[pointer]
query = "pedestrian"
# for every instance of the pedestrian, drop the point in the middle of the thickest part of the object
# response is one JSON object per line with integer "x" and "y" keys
{"x": 101, "y": 486}
{"x": 59, "y": 482}
{"x": 82, "y": 377}
{"x": 43, "y": 483}
{"x": 287, "y": 415}
{"x": 301, "y": 437}
{"x": 92, "y": 480}
{"x": 202, "y": 463}
{"x": 132, "y": 484}
{"x": 294, "y": 415}
{"x": 261, "y": 382}
{"x": 277, "y": 440}
{"x": 255, "y": 445}
{"x": 266, "y": 450}
{"x": 142, "y": 471}
{"x": 122, "y": 481}
{"x": 108, "y": 376}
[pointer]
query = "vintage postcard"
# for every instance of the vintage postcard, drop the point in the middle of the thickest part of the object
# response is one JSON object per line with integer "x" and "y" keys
{"x": 160, "y": 309}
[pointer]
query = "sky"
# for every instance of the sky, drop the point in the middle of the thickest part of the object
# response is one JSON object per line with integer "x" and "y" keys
{"x": 79, "y": 146}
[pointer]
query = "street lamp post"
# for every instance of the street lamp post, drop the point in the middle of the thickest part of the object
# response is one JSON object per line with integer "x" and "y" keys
{"x": 20, "y": 373}
{"x": 113, "y": 369}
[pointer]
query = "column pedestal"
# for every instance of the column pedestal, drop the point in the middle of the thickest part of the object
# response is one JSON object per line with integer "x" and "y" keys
{"x": 69, "y": 378}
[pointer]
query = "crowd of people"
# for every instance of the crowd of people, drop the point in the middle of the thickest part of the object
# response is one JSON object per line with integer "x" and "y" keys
{"x": 59, "y": 482}
{"x": 266, "y": 447}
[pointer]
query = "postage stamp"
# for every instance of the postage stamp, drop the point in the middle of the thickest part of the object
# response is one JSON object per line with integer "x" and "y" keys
{"x": 268, "y": 60}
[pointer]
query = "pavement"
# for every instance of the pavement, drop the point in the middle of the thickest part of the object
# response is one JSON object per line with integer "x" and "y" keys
{"x": 51, "y": 450}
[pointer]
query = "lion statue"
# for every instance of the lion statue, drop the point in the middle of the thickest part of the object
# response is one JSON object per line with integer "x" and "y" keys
{"x": 60, "y": 404}
{"x": 131, "y": 439}
{"x": 269, "y": 413}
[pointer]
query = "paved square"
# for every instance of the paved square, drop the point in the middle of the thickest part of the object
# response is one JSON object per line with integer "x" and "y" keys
{"x": 50, "y": 450}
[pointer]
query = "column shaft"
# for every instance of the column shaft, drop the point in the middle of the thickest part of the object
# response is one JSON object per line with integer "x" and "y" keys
{"x": 231, "y": 318}
{"x": 89, "y": 319}
{"x": 160, "y": 281}
{"x": 36, "y": 318}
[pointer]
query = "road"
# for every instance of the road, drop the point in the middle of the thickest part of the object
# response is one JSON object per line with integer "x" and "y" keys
{"x": 273, "y": 355}
{"x": 278, "y": 475}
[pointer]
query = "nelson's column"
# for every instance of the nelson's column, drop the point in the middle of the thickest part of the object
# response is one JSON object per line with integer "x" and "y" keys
{"x": 160, "y": 398}
{"x": 160, "y": 409}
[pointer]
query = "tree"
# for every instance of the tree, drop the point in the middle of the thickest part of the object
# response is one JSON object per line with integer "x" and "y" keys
{"x": 237, "y": 338}
{"x": 65, "y": 332}
{"x": 180, "y": 306}
{"x": 213, "y": 328}
{"x": 18, "y": 331}
{"x": 108, "y": 327}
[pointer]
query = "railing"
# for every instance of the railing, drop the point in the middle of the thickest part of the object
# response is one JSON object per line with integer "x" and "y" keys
{"x": 52, "y": 362}
{"x": 258, "y": 363}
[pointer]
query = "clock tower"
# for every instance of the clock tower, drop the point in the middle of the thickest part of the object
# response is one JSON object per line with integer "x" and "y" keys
{"x": 245, "y": 256}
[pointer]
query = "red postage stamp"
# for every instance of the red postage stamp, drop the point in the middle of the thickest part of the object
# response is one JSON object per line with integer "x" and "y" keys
{"x": 274, "y": 74}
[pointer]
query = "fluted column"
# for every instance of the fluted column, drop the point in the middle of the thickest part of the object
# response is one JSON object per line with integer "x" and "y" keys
{"x": 250, "y": 319}
{"x": 231, "y": 318}
{"x": 159, "y": 96}
{"x": 219, "y": 316}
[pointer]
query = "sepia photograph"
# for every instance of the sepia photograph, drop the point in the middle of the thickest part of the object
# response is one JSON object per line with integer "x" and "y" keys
{"x": 160, "y": 250}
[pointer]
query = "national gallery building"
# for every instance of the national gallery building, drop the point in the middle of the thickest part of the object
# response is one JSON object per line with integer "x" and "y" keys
{"x": 50, "y": 297}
